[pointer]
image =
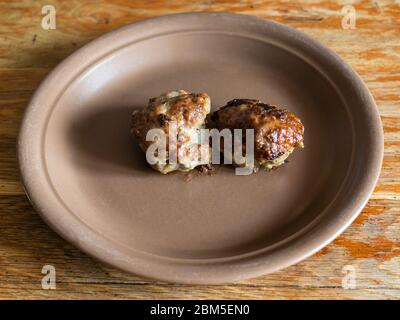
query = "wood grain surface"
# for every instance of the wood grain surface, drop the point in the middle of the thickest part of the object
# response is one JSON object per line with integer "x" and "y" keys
{"x": 371, "y": 245}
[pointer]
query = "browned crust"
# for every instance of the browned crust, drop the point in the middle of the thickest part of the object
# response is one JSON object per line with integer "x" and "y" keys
{"x": 277, "y": 131}
{"x": 187, "y": 109}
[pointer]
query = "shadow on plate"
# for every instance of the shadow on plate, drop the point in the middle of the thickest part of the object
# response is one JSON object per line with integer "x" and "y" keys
{"x": 101, "y": 140}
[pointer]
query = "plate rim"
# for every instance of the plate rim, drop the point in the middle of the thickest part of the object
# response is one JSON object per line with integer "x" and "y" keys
{"x": 193, "y": 272}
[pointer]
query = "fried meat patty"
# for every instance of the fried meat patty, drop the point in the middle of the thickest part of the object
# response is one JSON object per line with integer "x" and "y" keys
{"x": 188, "y": 111}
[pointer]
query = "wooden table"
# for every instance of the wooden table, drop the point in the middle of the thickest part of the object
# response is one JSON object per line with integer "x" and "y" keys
{"x": 371, "y": 245}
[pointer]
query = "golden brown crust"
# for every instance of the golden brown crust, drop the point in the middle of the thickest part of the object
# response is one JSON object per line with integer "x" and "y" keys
{"x": 186, "y": 107}
{"x": 186, "y": 110}
{"x": 276, "y": 131}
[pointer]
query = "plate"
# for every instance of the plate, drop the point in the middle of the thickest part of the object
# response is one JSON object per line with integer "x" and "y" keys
{"x": 90, "y": 182}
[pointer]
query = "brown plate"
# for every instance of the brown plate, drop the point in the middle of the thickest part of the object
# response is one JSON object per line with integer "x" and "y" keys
{"x": 92, "y": 185}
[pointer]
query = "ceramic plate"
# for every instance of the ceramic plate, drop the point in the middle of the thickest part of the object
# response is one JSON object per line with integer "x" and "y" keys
{"x": 91, "y": 183}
